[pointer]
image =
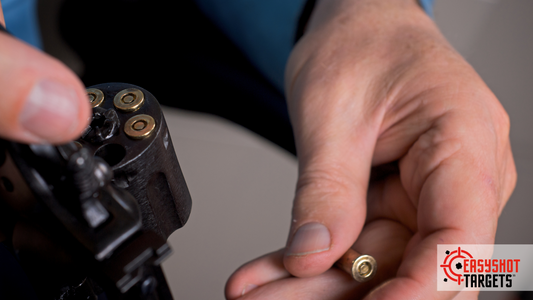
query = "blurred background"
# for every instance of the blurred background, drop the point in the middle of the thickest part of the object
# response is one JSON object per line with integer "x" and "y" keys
{"x": 242, "y": 185}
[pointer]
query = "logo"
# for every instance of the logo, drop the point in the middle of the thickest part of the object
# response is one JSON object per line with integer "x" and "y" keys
{"x": 486, "y": 267}
{"x": 451, "y": 271}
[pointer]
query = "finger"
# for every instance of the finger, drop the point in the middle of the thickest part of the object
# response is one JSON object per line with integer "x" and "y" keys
{"x": 332, "y": 284}
{"x": 452, "y": 176}
{"x": 387, "y": 199}
{"x": 451, "y": 184}
{"x": 334, "y": 167}
{"x": 473, "y": 295}
{"x": 42, "y": 100}
{"x": 329, "y": 209}
{"x": 415, "y": 286}
{"x": 258, "y": 272}
{"x": 509, "y": 181}
{"x": 385, "y": 240}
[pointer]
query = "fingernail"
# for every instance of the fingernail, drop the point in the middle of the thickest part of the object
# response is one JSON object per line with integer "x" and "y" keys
{"x": 248, "y": 288}
{"x": 310, "y": 238}
{"x": 51, "y": 109}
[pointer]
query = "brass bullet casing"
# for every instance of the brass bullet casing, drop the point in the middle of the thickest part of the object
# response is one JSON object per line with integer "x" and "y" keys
{"x": 139, "y": 126}
{"x": 96, "y": 97}
{"x": 129, "y": 99}
{"x": 361, "y": 267}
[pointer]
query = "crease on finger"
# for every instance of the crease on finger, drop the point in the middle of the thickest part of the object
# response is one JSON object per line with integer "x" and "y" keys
{"x": 427, "y": 154}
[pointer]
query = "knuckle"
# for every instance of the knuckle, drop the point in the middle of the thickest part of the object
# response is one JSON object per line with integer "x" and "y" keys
{"x": 510, "y": 176}
{"x": 503, "y": 122}
{"x": 325, "y": 182}
{"x": 320, "y": 190}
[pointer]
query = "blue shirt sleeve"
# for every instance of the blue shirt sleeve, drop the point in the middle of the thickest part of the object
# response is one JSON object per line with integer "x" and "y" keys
{"x": 263, "y": 29}
{"x": 21, "y": 20}
{"x": 428, "y": 6}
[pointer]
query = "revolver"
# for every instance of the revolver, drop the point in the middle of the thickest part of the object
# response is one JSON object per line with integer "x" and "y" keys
{"x": 90, "y": 219}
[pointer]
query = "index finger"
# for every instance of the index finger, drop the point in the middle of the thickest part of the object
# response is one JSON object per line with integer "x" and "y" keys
{"x": 42, "y": 100}
{"x": 458, "y": 174}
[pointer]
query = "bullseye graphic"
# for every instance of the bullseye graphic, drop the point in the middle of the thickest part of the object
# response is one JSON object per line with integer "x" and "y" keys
{"x": 448, "y": 263}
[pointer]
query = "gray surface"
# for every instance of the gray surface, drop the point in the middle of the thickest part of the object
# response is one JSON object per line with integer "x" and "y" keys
{"x": 242, "y": 186}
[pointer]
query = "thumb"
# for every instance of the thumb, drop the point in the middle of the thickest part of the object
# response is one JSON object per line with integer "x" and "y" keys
{"x": 330, "y": 204}
{"x": 42, "y": 100}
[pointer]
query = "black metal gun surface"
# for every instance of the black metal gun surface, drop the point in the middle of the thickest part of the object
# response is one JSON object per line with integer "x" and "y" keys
{"x": 90, "y": 219}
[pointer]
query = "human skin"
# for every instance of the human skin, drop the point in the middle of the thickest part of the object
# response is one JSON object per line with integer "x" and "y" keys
{"x": 373, "y": 86}
{"x": 42, "y": 100}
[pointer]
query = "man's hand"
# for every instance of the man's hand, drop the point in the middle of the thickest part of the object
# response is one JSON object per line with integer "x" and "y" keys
{"x": 373, "y": 85}
{"x": 42, "y": 100}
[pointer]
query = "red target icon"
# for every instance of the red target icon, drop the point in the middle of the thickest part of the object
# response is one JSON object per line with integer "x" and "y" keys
{"x": 448, "y": 263}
